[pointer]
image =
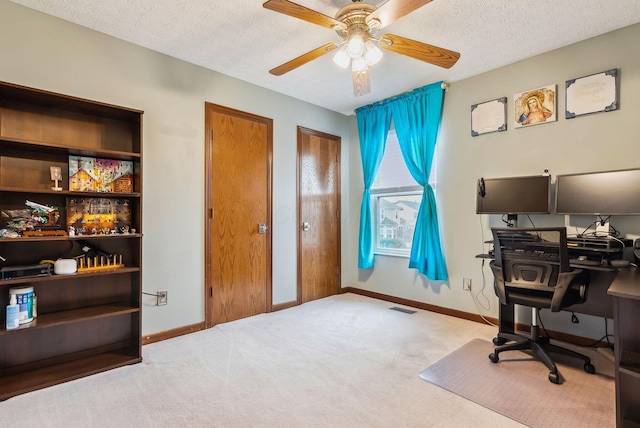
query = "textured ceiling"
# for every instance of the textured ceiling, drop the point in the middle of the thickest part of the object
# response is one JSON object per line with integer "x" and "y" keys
{"x": 240, "y": 38}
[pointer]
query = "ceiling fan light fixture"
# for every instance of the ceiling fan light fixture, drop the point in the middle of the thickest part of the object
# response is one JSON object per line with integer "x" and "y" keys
{"x": 358, "y": 24}
{"x": 373, "y": 54}
{"x": 341, "y": 58}
{"x": 355, "y": 46}
{"x": 359, "y": 65}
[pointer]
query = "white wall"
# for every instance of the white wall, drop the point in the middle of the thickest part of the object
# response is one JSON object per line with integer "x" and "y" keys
{"x": 44, "y": 52}
{"x": 596, "y": 142}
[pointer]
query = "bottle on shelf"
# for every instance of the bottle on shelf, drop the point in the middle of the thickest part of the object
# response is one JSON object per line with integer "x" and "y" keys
{"x": 13, "y": 310}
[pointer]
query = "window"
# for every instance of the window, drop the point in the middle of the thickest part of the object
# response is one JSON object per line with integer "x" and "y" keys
{"x": 396, "y": 199}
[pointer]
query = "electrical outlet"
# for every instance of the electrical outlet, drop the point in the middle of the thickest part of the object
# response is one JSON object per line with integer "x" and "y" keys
{"x": 466, "y": 284}
{"x": 162, "y": 297}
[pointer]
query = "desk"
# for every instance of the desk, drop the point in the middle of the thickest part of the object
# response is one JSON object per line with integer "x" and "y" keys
{"x": 625, "y": 290}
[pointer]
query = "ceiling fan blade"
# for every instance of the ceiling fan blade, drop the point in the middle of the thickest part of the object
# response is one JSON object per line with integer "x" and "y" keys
{"x": 303, "y": 59}
{"x": 393, "y": 10}
{"x": 428, "y": 53}
{"x": 292, "y": 9}
{"x": 361, "y": 83}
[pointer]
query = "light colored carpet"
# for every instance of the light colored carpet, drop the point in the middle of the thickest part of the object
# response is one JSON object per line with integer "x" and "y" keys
{"x": 345, "y": 361}
{"x": 517, "y": 386}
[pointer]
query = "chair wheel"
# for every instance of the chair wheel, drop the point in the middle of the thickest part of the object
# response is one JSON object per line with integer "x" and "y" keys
{"x": 554, "y": 377}
{"x": 493, "y": 357}
{"x": 589, "y": 368}
{"x": 499, "y": 341}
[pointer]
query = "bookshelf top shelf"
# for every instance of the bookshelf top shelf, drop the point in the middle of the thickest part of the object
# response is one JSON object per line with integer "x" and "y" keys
{"x": 14, "y": 145}
{"x": 23, "y": 94}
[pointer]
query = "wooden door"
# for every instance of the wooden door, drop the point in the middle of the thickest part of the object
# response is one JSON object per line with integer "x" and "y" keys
{"x": 238, "y": 217}
{"x": 318, "y": 215}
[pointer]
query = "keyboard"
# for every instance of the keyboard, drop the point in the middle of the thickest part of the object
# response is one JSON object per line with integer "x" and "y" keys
{"x": 533, "y": 254}
{"x": 585, "y": 262}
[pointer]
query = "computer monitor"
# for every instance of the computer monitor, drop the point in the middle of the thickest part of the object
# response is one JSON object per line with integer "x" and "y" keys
{"x": 599, "y": 193}
{"x": 514, "y": 195}
{"x": 602, "y": 194}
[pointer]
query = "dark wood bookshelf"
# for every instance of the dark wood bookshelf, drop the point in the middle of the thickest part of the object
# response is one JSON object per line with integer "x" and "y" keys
{"x": 90, "y": 321}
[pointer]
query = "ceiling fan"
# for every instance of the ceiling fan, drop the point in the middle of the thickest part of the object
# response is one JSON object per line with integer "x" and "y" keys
{"x": 358, "y": 25}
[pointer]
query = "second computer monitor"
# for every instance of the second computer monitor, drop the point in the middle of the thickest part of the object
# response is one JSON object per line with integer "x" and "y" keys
{"x": 599, "y": 193}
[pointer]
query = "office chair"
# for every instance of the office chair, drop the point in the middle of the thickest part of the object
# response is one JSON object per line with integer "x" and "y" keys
{"x": 531, "y": 268}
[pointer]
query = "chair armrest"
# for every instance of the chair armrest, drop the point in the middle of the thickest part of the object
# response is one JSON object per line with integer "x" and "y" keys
{"x": 501, "y": 292}
{"x": 564, "y": 283}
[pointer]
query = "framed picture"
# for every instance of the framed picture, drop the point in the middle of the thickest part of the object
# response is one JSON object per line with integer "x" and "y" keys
{"x": 490, "y": 116}
{"x": 535, "y": 106}
{"x": 596, "y": 93}
{"x": 56, "y": 173}
{"x": 88, "y": 174}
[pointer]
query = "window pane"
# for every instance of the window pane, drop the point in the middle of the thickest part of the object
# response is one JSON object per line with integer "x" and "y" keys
{"x": 397, "y": 221}
{"x": 393, "y": 172}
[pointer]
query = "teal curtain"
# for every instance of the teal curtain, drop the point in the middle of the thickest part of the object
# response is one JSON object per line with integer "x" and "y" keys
{"x": 373, "y": 126}
{"x": 416, "y": 116}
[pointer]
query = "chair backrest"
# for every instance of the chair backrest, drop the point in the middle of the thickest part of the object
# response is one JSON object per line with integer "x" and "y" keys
{"x": 531, "y": 266}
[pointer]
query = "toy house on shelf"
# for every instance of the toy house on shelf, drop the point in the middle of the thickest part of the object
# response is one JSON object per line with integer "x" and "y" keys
{"x": 87, "y": 174}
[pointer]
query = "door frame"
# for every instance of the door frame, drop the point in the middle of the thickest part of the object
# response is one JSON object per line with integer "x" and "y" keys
{"x": 300, "y": 131}
{"x": 209, "y": 212}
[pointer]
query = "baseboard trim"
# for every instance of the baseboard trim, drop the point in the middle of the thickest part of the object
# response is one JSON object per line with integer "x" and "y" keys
{"x": 169, "y": 334}
{"x": 557, "y": 335}
{"x": 180, "y": 331}
{"x": 420, "y": 305}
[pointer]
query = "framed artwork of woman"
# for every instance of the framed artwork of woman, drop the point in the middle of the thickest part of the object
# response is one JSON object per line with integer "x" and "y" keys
{"x": 535, "y": 106}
